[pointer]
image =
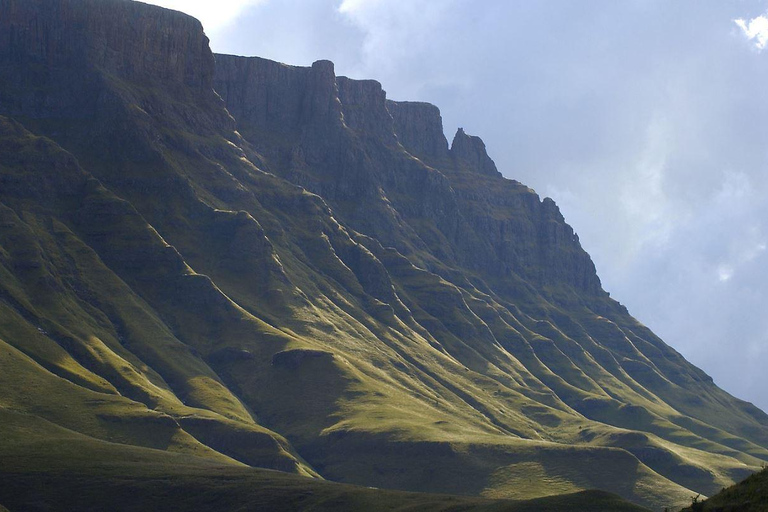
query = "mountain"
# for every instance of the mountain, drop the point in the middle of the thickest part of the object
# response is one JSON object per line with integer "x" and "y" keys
{"x": 212, "y": 261}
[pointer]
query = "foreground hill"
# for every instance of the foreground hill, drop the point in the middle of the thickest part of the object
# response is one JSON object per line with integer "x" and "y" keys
{"x": 54, "y": 469}
{"x": 235, "y": 260}
{"x": 751, "y": 495}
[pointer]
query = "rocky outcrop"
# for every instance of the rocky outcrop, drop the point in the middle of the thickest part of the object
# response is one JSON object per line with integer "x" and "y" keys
{"x": 82, "y": 60}
{"x": 419, "y": 128}
{"x": 469, "y": 152}
{"x": 296, "y": 118}
{"x": 262, "y": 93}
{"x": 364, "y": 104}
{"x": 275, "y": 98}
{"x": 50, "y": 50}
{"x": 321, "y": 104}
{"x": 127, "y": 39}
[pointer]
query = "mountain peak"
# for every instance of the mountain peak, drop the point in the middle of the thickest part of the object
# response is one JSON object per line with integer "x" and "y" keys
{"x": 324, "y": 67}
{"x": 469, "y": 152}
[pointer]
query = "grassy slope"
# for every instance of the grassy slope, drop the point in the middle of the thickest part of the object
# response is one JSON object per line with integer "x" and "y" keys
{"x": 46, "y": 467}
{"x": 279, "y": 394}
{"x": 83, "y": 350}
{"x": 751, "y": 495}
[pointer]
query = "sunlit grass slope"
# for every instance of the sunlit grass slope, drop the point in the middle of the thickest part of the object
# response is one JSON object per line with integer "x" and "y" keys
{"x": 46, "y": 467}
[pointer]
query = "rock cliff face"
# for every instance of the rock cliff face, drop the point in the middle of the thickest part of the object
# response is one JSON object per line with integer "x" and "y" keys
{"x": 350, "y": 152}
{"x": 364, "y": 105}
{"x": 273, "y": 265}
{"x": 61, "y": 46}
{"x": 419, "y": 129}
{"x": 122, "y": 38}
{"x": 470, "y": 152}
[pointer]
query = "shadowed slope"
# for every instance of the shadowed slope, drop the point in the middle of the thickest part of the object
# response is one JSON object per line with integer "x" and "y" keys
{"x": 50, "y": 468}
{"x": 85, "y": 351}
{"x": 751, "y": 495}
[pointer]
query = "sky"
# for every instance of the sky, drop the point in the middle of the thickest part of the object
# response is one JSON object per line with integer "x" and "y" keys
{"x": 645, "y": 120}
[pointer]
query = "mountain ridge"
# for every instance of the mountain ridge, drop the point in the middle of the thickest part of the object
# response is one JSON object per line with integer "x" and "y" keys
{"x": 275, "y": 274}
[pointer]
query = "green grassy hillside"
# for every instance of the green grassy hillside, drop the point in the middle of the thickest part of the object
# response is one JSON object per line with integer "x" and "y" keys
{"x": 46, "y": 467}
{"x": 750, "y": 495}
{"x": 304, "y": 287}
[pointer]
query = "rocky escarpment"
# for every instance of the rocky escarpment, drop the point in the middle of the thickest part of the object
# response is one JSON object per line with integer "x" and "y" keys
{"x": 469, "y": 152}
{"x": 63, "y": 39}
{"x": 318, "y": 145}
{"x": 349, "y": 155}
{"x": 125, "y": 38}
{"x": 364, "y": 106}
{"x": 419, "y": 129}
{"x": 291, "y": 272}
{"x": 275, "y": 100}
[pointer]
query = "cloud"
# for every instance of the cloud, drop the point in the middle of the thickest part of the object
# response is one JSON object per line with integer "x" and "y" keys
{"x": 394, "y": 29}
{"x": 724, "y": 273}
{"x": 349, "y": 6}
{"x": 213, "y": 15}
{"x": 755, "y": 30}
{"x": 643, "y": 196}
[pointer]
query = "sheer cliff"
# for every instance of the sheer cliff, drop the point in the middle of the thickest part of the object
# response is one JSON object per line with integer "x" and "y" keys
{"x": 250, "y": 263}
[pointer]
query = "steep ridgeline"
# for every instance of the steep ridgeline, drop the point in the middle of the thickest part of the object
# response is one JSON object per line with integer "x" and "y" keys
{"x": 244, "y": 262}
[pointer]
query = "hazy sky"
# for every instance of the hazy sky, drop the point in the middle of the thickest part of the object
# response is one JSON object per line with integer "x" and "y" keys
{"x": 646, "y": 120}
